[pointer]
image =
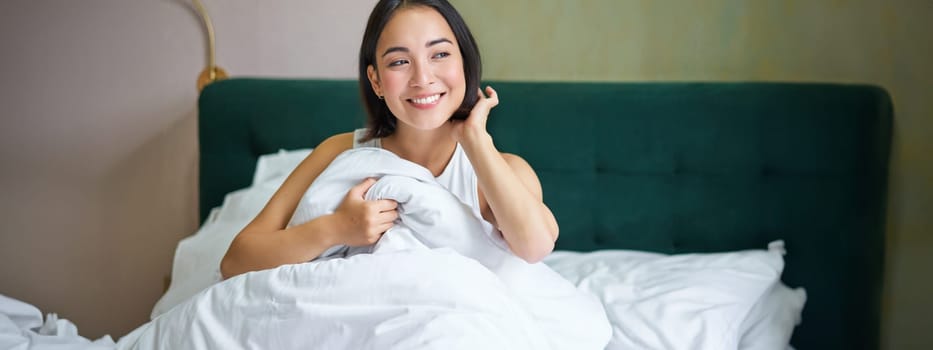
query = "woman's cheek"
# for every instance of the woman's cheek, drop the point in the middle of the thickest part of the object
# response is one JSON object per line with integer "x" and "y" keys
{"x": 390, "y": 79}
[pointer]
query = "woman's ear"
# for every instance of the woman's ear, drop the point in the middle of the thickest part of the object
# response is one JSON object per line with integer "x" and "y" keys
{"x": 374, "y": 80}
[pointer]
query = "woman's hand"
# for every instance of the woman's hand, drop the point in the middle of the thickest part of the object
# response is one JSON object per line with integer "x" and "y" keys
{"x": 361, "y": 222}
{"x": 475, "y": 124}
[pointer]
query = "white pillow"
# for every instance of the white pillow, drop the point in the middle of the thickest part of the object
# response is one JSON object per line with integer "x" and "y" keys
{"x": 771, "y": 321}
{"x": 279, "y": 164}
{"x": 197, "y": 258}
{"x": 688, "y": 301}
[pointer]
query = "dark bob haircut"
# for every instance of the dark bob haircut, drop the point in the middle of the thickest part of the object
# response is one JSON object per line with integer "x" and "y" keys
{"x": 380, "y": 120}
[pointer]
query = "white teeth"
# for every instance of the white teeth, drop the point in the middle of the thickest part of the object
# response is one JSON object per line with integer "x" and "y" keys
{"x": 426, "y": 100}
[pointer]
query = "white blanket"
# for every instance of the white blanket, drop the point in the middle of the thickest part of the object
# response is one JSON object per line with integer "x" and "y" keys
{"x": 442, "y": 278}
{"x": 22, "y": 328}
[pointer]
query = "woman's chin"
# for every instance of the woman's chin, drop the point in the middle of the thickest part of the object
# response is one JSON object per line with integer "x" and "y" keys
{"x": 427, "y": 121}
{"x": 430, "y": 126}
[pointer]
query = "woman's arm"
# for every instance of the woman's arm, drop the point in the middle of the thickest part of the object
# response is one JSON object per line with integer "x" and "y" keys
{"x": 510, "y": 187}
{"x": 266, "y": 242}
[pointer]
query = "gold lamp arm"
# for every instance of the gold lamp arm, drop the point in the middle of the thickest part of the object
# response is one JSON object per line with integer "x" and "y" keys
{"x": 212, "y": 73}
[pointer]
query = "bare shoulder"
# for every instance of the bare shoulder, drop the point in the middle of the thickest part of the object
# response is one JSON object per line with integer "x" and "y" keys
{"x": 336, "y": 143}
{"x": 516, "y": 162}
{"x": 327, "y": 150}
{"x": 321, "y": 157}
{"x": 523, "y": 170}
{"x": 279, "y": 209}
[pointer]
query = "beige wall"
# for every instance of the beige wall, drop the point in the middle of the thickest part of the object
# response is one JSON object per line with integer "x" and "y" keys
{"x": 98, "y": 143}
{"x": 875, "y": 42}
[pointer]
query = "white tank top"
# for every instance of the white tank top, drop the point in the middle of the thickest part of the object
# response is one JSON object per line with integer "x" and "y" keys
{"x": 458, "y": 177}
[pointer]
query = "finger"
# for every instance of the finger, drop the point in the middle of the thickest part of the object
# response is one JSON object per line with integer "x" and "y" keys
{"x": 360, "y": 189}
{"x": 493, "y": 96}
{"x": 384, "y": 227}
{"x": 385, "y": 204}
{"x": 387, "y": 217}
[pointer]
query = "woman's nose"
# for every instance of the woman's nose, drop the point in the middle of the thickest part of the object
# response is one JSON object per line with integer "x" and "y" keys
{"x": 422, "y": 75}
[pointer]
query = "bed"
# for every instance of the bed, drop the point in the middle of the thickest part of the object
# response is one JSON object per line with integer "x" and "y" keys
{"x": 688, "y": 171}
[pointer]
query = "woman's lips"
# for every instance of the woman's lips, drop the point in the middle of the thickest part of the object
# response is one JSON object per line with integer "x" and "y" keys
{"x": 426, "y": 101}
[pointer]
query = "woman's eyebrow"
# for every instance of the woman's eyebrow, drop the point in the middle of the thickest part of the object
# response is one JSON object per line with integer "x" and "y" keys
{"x": 405, "y": 49}
{"x": 394, "y": 49}
{"x": 437, "y": 41}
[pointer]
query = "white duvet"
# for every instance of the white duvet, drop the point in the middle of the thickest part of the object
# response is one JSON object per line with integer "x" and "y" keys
{"x": 442, "y": 278}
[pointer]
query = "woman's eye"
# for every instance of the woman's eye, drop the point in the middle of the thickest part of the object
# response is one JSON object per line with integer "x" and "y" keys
{"x": 397, "y": 63}
{"x": 441, "y": 55}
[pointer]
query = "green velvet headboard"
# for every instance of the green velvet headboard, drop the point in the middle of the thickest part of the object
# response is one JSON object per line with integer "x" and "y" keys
{"x": 666, "y": 167}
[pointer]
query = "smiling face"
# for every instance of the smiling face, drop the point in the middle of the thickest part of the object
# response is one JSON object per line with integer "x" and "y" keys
{"x": 418, "y": 68}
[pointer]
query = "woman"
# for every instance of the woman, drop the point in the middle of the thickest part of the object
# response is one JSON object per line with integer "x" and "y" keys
{"x": 419, "y": 78}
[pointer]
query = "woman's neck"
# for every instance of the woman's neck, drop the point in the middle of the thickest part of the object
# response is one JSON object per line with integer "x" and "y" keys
{"x": 430, "y": 149}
